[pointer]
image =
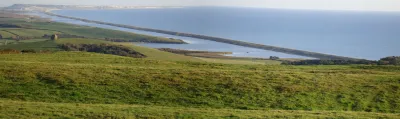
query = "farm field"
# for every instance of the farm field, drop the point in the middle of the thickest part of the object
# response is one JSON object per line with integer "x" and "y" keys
{"x": 31, "y": 32}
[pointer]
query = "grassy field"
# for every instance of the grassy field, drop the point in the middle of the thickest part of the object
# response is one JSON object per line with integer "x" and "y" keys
{"x": 18, "y": 109}
{"x": 6, "y": 35}
{"x": 39, "y": 44}
{"x": 78, "y": 77}
{"x": 241, "y": 61}
{"x": 31, "y": 32}
{"x": 80, "y": 41}
{"x": 10, "y": 42}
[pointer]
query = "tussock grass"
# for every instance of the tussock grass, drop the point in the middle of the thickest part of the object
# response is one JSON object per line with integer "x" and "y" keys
{"x": 29, "y": 110}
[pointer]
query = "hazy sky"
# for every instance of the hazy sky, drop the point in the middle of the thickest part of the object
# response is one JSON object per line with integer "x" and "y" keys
{"x": 375, "y": 5}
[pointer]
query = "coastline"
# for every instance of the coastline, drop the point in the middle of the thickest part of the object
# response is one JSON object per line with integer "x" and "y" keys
{"x": 217, "y": 39}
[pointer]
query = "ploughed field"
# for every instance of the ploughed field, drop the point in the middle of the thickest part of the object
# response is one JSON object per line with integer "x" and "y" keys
{"x": 92, "y": 77}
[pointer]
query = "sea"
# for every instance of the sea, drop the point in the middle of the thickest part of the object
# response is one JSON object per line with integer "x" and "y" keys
{"x": 358, "y": 34}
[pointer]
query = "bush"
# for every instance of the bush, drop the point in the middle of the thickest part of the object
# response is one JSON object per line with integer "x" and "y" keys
{"x": 274, "y": 58}
{"x": 28, "y": 51}
{"x": 103, "y": 48}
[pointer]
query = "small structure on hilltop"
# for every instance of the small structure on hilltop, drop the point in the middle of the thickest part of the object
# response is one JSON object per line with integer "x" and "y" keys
{"x": 54, "y": 37}
{"x": 274, "y": 58}
{"x": 1, "y": 37}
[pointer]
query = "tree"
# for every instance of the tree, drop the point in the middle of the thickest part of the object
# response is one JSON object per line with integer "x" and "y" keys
{"x": 54, "y": 37}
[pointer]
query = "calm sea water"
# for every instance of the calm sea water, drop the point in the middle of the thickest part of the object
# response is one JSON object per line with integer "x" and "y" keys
{"x": 369, "y": 35}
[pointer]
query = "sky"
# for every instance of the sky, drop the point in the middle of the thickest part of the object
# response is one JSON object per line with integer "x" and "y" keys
{"x": 370, "y": 5}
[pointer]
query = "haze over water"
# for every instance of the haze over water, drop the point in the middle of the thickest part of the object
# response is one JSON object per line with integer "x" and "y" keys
{"x": 368, "y": 35}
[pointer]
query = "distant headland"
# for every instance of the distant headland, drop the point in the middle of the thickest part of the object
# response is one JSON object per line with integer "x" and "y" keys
{"x": 42, "y": 7}
{"x": 47, "y": 8}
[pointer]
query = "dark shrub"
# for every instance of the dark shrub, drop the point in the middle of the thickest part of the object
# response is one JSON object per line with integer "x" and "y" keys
{"x": 273, "y": 58}
{"x": 28, "y": 51}
{"x": 103, "y": 48}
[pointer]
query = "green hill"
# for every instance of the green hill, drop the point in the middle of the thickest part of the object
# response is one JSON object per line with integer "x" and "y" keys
{"x": 75, "y": 84}
{"x": 79, "y": 77}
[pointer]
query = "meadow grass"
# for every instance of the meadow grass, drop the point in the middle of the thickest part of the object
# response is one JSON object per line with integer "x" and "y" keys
{"x": 31, "y": 32}
{"x": 241, "y": 61}
{"x": 32, "y": 40}
{"x": 81, "y": 41}
{"x": 161, "y": 55}
{"x": 80, "y": 77}
{"x": 36, "y": 44}
{"x": 6, "y": 35}
{"x": 29, "y": 110}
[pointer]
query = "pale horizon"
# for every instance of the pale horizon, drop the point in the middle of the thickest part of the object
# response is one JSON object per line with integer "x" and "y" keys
{"x": 358, "y": 5}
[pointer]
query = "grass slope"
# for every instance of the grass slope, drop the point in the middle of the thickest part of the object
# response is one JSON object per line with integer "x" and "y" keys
{"x": 161, "y": 55}
{"x": 6, "y": 35}
{"x": 149, "y": 52}
{"x": 31, "y": 32}
{"x": 78, "y": 77}
{"x": 38, "y": 44}
{"x": 29, "y": 110}
{"x": 241, "y": 61}
{"x": 81, "y": 41}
